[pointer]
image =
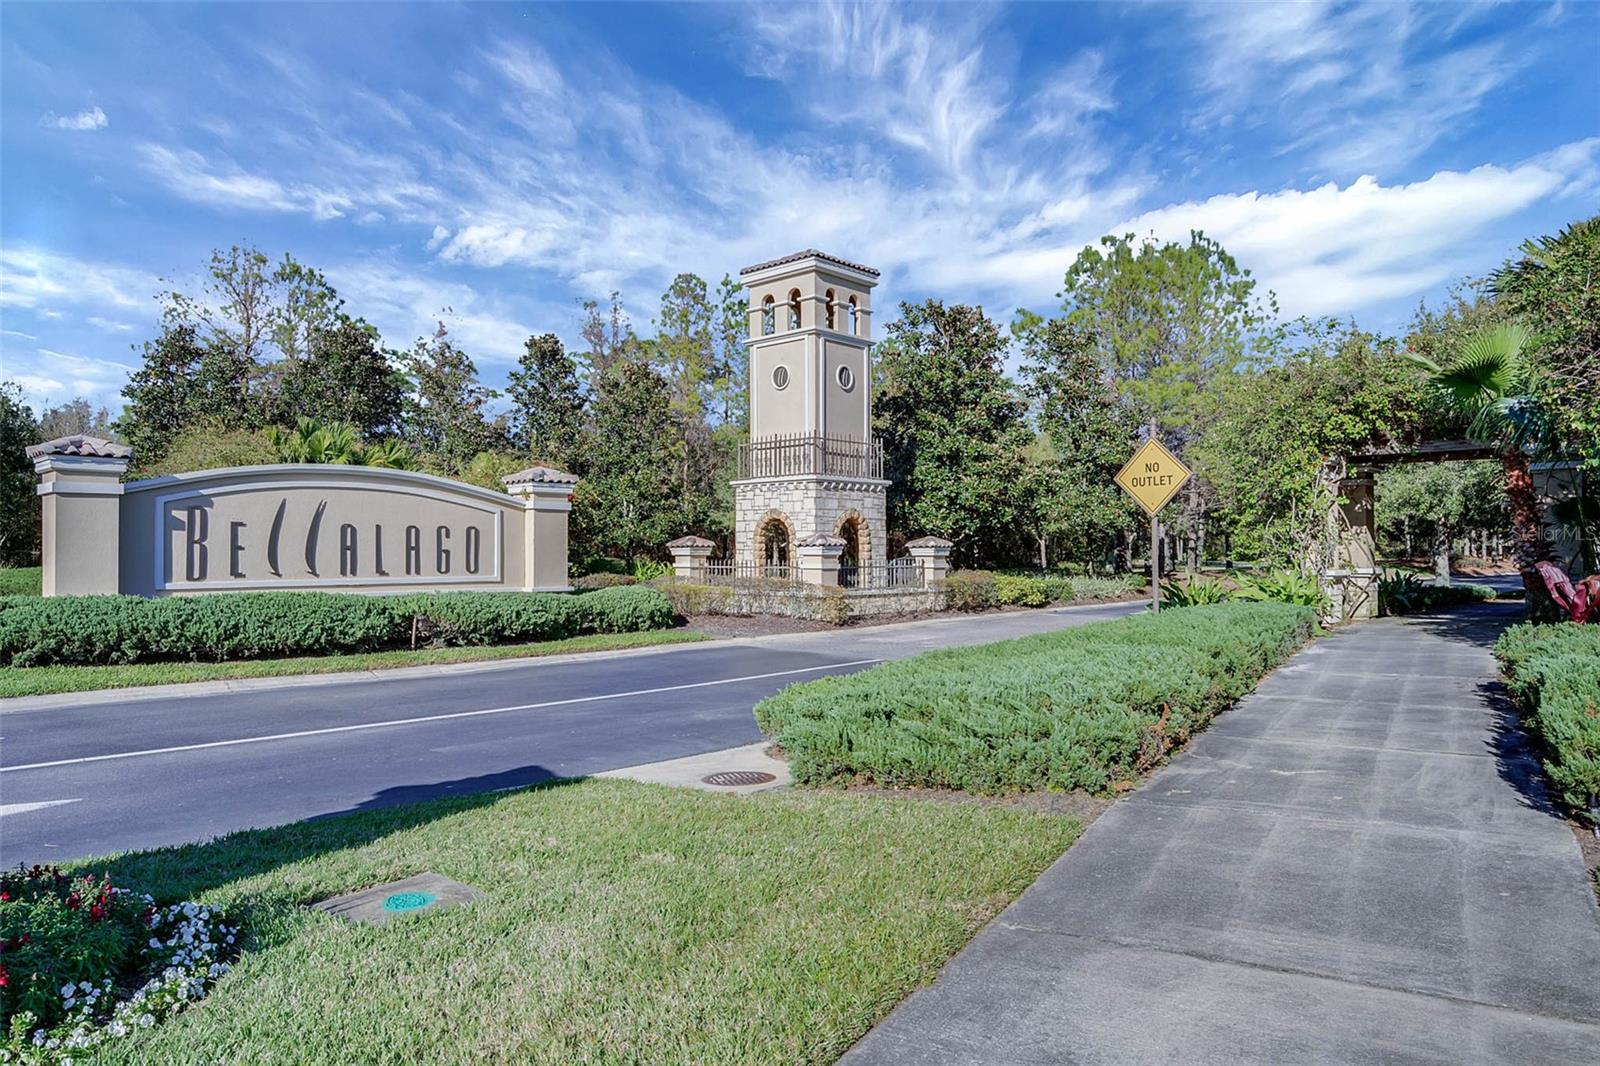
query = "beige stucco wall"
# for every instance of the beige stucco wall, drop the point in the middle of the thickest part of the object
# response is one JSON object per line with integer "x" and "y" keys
{"x": 378, "y": 513}
{"x": 774, "y": 411}
{"x": 845, "y": 412}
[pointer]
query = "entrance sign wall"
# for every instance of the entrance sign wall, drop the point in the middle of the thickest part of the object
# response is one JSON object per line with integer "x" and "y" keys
{"x": 291, "y": 526}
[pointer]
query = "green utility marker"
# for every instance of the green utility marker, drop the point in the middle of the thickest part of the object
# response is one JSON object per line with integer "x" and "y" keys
{"x": 425, "y": 893}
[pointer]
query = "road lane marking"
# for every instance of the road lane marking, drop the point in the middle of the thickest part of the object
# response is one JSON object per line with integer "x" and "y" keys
{"x": 24, "y": 808}
{"x": 431, "y": 717}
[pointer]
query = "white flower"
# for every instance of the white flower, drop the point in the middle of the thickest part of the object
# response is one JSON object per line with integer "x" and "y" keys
{"x": 146, "y": 1020}
{"x": 66, "y": 990}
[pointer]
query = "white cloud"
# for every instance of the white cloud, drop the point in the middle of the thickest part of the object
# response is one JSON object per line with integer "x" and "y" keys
{"x": 32, "y": 278}
{"x": 49, "y": 377}
{"x": 109, "y": 325}
{"x": 1356, "y": 86}
{"x": 83, "y": 121}
{"x": 1333, "y": 249}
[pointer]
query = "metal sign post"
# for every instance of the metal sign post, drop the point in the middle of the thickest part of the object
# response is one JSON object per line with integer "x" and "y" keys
{"x": 1153, "y": 477}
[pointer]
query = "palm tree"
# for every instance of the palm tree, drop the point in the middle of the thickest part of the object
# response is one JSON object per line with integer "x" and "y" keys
{"x": 1490, "y": 382}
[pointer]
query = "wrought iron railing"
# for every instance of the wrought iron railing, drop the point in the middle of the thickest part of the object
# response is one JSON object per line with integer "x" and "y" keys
{"x": 811, "y": 453}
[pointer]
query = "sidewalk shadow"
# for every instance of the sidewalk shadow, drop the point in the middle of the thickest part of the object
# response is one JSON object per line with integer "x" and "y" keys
{"x": 186, "y": 870}
{"x": 1477, "y": 626}
{"x": 1515, "y": 757}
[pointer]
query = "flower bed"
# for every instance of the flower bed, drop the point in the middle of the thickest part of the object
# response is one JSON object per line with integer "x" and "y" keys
{"x": 83, "y": 961}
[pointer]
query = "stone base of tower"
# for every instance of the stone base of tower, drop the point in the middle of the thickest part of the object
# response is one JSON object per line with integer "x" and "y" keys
{"x": 809, "y": 505}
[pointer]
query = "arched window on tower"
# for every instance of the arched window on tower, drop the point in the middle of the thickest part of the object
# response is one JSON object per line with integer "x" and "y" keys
{"x": 854, "y": 330}
{"x": 769, "y": 317}
{"x": 830, "y": 309}
{"x": 794, "y": 308}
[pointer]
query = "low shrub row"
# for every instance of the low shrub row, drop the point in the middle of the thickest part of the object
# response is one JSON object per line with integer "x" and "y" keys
{"x": 1553, "y": 673}
{"x": 1090, "y": 707}
{"x": 1280, "y": 586}
{"x": 978, "y": 590}
{"x": 262, "y": 625}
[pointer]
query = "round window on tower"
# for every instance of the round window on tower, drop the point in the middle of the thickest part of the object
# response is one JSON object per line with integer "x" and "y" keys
{"x": 780, "y": 377}
{"x": 847, "y": 380}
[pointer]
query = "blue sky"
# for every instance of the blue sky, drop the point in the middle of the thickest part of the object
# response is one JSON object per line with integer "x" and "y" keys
{"x": 504, "y": 161}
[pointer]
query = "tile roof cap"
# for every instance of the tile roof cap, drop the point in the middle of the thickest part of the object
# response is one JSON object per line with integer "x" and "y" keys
{"x": 79, "y": 444}
{"x": 540, "y": 475}
{"x": 809, "y": 253}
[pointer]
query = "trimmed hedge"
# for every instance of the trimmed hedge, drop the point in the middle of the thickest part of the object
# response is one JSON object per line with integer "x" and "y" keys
{"x": 1090, "y": 707}
{"x": 264, "y": 625}
{"x": 1553, "y": 673}
{"x": 1038, "y": 590}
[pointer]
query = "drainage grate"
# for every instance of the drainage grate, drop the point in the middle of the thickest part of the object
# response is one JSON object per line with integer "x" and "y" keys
{"x": 735, "y": 778}
{"x": 408, "y": 901}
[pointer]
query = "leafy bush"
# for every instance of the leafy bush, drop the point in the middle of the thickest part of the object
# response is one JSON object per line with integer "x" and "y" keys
{"x": 1105, "y": 588}
{"x": 84, "y": 960}
{"x": 603, "y": 581}
{"x": 250, "y": 625}
{"x": 20, "y": 580}
{"x": 1553, "y": 673}
{"x": 1406, "y": 594}
{"x": 258, "y": 625}
{"x": 970, "y": 590}
{"x": 688, "y": 599}
{"x": 1089, "y": 707}
{"x": 1016, "y": 591}
{"x": 1199, "y": 593}
{"x": 1285, "y": 586}
{"x": 649, "y": 570}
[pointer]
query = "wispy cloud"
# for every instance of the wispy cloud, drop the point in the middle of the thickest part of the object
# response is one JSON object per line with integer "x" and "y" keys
{"x": 1356, "y": 86}
{"x": 34, "y": 278}
{"x": 83, "y": 121}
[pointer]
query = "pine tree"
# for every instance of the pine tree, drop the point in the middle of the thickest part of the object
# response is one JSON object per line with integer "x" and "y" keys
{"x": 547, "y": 401}
{"x": 446, "y": 411}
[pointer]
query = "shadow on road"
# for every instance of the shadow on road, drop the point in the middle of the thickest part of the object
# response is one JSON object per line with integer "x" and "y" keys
{"x": 1477, "y": 626}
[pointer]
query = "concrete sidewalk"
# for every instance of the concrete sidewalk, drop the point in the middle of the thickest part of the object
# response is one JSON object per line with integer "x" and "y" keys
{"x": 1358, "y": 864}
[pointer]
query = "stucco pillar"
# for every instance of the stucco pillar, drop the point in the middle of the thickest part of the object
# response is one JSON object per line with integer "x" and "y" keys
{"x": 547, "y": 500}
{"x": 818, "y": 557}
{"x": 1352, "y": 579}
{"x": 689, "y": 557}
{"x": 80, "y": 491}
{"x": 934, "y": 555}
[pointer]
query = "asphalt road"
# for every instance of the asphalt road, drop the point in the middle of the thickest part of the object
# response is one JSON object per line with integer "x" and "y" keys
{"x": 107, "y": 772}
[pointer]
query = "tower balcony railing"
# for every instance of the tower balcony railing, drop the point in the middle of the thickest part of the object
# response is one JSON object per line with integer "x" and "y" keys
{"x": 811, "y": 453}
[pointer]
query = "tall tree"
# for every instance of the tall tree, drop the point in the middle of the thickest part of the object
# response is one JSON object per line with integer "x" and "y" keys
{"x": 731, "y": 374}
{"x": 19, "y": 506}
{"x": 1490, "y": 380}
{"x": 683, "y": 345}
{"x": 630, "y": 500}
{"x": 1554, "y": 285}
{"x": 1274, "y": 451}
{"x": 954, "y": 430}
{"x": 610, "y": 337}
{"x": 446, "y": 412}
{"x": 75, "y": 416}
{"x": 344, "y": 376}
{"x": 547, "y": 401}
{"x": 1087, "y": 434}
{"x": 1166, "y": 319}
{"x": 160, "y": 395}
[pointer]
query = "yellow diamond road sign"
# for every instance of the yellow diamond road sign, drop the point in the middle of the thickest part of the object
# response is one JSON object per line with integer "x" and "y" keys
{"x": 1153, "y": 476}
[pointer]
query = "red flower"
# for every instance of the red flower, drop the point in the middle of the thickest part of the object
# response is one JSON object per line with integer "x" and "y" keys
{"x": 5, "y": 977}
{"x": 5, "y": 897}
{"x": 74, "y": 902}
{"x": 96, "y": 913}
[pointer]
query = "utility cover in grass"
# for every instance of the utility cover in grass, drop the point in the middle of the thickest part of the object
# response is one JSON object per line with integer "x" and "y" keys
{"x": 423, "y": 894}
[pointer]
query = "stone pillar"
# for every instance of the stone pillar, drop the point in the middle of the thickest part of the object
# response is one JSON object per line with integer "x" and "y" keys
{"x": 689, "y": 557}
{"x": 547, "y": 499}
{"x": 80, "y": 490}
{"x": 1352, "y": 579}
{"x": 818, "y": 558}
{"x": 934, "y": 555}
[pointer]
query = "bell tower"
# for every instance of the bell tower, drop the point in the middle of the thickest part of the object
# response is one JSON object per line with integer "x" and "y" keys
{"x": 811, "y": 478}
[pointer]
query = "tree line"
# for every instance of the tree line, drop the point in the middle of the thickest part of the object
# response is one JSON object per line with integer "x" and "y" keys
{"x": 1002, "y": 437}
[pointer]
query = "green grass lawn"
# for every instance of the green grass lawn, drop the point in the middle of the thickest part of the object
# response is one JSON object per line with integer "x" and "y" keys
{"x": 21, "y": 580}
{"x": 44, "y": 680}
{"x": 622, "y": 923}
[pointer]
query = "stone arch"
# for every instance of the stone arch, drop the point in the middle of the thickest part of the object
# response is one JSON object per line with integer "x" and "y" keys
{"x": 854, "y": 528}
{"x": 773, "y": 541}
{"x": 794, "y": 308}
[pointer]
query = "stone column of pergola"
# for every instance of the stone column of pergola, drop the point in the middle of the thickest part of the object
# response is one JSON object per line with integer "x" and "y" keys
{"x": 933, "y": 555}
{"x": 80, "y": 489}
{"x": 690, "y": 556}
